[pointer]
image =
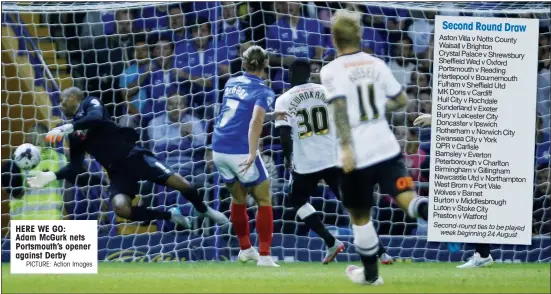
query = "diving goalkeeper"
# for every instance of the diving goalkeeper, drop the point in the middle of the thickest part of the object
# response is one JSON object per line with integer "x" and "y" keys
{"x": 115, "y": 148}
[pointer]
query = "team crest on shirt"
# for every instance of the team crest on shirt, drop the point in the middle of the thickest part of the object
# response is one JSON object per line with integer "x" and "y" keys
{"x": 81, "y": 134}
{"x": 95, "y": 102}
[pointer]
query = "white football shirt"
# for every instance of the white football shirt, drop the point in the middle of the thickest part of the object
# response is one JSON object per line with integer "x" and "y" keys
{"x": 366, "y": 83}
{"x": 314, "y": 140}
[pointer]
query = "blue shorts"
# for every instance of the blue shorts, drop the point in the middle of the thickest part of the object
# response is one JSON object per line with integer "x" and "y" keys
{"x": 138, "y": 166}
{"x": 228, "y": 167}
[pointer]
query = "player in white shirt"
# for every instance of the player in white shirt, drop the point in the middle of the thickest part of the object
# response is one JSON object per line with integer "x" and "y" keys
{"x": 307, "y": 133}
{"x": 481, "y": 256}
{"x": 361, "y": 90}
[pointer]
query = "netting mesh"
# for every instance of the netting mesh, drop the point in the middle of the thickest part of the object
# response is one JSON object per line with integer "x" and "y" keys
{"x": 136, "y": 56}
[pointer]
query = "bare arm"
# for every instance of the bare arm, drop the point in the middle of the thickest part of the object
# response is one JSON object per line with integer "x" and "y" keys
{"x": 255, "y": 128}
{"x": 286, "y": 144}
{"x": 342, "y": 123}
{"x": 399, "y": 102}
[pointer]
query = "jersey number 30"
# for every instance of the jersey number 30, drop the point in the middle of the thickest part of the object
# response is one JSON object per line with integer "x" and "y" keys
{"x": 312, "y": 122}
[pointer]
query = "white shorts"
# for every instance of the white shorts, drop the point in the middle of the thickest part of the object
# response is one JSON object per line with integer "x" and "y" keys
{"x": 228, "y": 167}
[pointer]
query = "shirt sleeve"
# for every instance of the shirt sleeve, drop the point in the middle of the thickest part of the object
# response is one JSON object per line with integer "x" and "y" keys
{"x": 265, "y": 100}
{"x": 390, "y": 85}
{"x": 335, "y": 85}
{"x": 282, "y": 104}
{"x": 93, "y": 117}
{"x": 76, "y": 160}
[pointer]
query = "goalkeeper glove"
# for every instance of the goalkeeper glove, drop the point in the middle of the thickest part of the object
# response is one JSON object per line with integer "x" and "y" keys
{"x": 423, "y": 120}
{"x": 38, "y": 180}
{"x": 57, "y": 134}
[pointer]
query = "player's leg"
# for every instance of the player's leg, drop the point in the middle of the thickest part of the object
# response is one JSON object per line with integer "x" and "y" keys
{"x": 384, "y": 257}
{"x": 255, "y": 179}
{"x": 153, "y": 170}
{"x": 302, "y": 187}
{"x": 357, "y": 197}
{"x": 332, "y": 177}
{"x": 481, "y": 257}
{"x": 264, "y": 219}
{"x": 240, "y": 221}
{"x": 227, "y": 166}
{"x": 123, "y": 190}
{"x": 177, "y": 182}
{"x": 395, "y": 180}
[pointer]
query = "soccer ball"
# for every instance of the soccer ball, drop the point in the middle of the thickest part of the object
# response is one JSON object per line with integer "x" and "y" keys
{"x": 26, "y": 156}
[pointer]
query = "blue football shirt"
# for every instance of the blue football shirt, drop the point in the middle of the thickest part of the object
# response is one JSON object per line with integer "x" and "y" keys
{"x": 241, "y": 94}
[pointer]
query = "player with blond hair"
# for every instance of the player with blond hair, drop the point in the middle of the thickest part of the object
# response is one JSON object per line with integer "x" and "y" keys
{"x": 360, "y": 90}
{"x": 245, "y": 107}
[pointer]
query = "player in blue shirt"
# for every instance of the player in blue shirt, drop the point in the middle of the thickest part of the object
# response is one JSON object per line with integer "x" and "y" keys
{"x": 235, "y": 144}
{"x": 115, "y": 148}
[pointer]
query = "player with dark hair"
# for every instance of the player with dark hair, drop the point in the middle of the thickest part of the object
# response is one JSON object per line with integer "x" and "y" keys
{"x": 235, "y": 152}
{"x": 310, "y": 134}
{"x": 115, "y": 148}
{"x": 361, "y": 91}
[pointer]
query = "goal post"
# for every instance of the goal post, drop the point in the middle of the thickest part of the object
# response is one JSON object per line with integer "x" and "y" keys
{"x": 194, "y": 48}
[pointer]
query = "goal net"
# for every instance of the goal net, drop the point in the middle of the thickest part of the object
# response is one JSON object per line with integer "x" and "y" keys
{"x": 161, "y": 67}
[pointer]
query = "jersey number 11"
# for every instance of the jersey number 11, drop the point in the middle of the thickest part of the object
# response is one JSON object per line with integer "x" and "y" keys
{"x": 371, "y": 96}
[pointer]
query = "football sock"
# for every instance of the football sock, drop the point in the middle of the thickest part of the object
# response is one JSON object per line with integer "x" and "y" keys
{"x": 240, "y": 222}
{"x": 419, "y": 207}
{"x": 308, "y": 215}
{"x": 483, "y": 250}
{"x": 423, "y": 210}
{"x": 382, "y": 249}
{"x": 192, "y": 195}
{"x": 366, "y": 243}
{"x": 138, "y": 213}
{"x": 265, "y": 229}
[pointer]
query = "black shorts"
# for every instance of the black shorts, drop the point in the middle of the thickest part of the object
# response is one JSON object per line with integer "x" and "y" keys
{"x": 304, "y": 185}
{"x": 391, "y": 175}
{"x": 140, "y": 165}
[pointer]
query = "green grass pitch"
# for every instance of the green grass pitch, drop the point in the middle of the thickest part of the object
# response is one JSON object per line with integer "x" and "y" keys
{"x": 233, "y": 277}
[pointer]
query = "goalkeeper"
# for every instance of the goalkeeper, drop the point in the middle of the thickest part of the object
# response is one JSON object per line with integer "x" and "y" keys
{"x": 114, "y": 147}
